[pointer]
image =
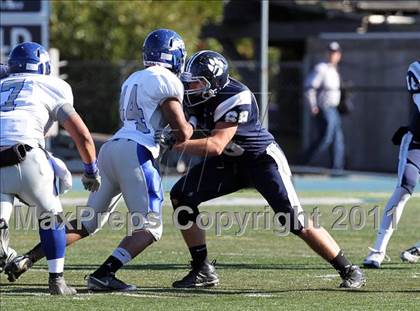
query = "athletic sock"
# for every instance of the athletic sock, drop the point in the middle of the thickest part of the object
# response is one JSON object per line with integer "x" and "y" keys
{"x": 340, "y": 262}
{"x": 53, "y": 242}
{"x": 111, "y": 265}
{"x": 56, "y": 275}
{"x": 36, "y": 253}
{"x": 122, "y": 255}
{"x": 391, "y": 216}
{"x": 199, "y": 254}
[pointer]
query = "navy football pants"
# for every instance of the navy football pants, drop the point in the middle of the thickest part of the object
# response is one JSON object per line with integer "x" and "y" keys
{"x": 269, "y": 174}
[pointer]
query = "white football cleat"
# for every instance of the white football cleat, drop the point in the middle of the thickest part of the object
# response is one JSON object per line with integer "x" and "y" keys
{"x": 374, "y": 259}
{"x": 411, "y": 255}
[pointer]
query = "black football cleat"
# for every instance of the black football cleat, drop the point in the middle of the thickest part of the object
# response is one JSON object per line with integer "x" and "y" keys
{"x": 352, "y": 278}
{"x": 15, "y": 268}
{"x": 201, "y": 275}
{"x": 108, "y": 283}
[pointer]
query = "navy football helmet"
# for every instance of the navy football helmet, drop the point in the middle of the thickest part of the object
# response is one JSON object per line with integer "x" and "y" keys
{"x": 164, "y": 47}
{"x": 29, "y": 57}
{"x": 206, "y": 73}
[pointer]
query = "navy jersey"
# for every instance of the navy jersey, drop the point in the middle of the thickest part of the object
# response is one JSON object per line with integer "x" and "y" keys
{"x": 413, "y": 86}
{"x": 235, "y": 103}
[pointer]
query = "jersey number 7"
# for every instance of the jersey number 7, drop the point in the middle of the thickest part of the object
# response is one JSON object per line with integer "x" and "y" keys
{"x": 13, "y": 87}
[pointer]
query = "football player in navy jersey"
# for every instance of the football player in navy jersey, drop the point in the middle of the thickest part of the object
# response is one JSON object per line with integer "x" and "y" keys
{"x": 408, "y": 137}
{"x": 239, "y": 152}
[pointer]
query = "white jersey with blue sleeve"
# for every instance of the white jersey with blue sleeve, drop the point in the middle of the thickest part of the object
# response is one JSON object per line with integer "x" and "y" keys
{"x": 141, "y": 96}
{"x": 29, "y": 105}
{"x": 413, "y": 82}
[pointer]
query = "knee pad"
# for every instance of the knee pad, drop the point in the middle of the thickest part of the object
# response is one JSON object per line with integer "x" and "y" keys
{"x": 410, "y": 177}
{"x": 183, "y": 214}
{"x": 156, "y": 232}
{"x": 185, "y": 207}
{"x": 151, "y": 223}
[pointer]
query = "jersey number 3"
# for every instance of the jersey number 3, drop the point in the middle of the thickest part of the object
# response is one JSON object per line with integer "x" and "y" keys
{"x": 133, "y": 112}
{"x": 12, "y": 87}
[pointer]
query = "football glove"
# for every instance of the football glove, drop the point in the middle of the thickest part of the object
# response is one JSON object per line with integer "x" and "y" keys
{"x": 91, "y": 182}
{"x": 165, "y": 138}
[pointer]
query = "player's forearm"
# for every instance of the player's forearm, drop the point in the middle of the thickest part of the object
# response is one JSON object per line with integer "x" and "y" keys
{"x": 173, "y": 113}
{"x": 81, "y": 137}
{"x": 201, "y": 147}
{"x": 86, "y": 148}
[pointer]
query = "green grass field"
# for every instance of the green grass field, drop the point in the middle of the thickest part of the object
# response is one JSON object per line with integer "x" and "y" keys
{"x": 258, "y": 271}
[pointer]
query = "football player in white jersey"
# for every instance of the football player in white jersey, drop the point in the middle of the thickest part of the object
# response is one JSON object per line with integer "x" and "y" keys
{"x": 31, "y": 101}
{"x": 150, "y": 99}
{"x": 408, "y": 137}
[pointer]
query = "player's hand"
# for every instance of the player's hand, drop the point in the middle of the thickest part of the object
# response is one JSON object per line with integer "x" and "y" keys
{"x": 314, "y": 110}
{"x": 91, "y": 182}
{"x": 165, "y": 138}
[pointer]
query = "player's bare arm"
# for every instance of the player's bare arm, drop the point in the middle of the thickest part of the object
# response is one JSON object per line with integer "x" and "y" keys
{"x": 173, "y": 113}
{"x": 84, "y": 143}
{"x": 213, "y": 145}
{"x": 78, "y": 131}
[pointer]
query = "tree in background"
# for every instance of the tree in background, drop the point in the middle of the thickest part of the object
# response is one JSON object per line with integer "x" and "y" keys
{"x": 103, "y": 39}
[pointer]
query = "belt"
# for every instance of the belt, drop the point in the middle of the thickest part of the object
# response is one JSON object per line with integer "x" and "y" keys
{"x": 20, "y": 149}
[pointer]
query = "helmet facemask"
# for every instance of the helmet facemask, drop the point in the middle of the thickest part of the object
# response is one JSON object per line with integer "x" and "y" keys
{"x": 197, "y": 90}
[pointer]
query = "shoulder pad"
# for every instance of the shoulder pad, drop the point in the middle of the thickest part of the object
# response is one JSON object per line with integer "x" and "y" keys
{"x": 413, "y": 78}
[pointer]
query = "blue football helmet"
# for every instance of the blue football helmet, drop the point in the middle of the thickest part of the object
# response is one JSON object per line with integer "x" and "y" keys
{"x": 29, "y": 57}
{"x": 164, "y": 47}
{"x": 206, "y": 74}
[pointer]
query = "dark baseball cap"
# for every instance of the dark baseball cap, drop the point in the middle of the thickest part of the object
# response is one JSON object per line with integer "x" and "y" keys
{"x": 334, "y": 47}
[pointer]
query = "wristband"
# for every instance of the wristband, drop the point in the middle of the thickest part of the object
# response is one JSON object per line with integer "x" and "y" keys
{"x": 91, "y": 168}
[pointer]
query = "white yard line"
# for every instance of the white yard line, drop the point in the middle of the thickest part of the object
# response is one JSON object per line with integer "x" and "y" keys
{"x": 253, "y": 201}
{"x": 258, "y": 295}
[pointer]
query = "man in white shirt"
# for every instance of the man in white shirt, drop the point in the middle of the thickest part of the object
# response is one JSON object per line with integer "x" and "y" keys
{"x": 322, "y": 94}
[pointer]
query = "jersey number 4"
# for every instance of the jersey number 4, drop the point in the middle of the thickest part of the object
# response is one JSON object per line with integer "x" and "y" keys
{"x": 133, "y": 112}
{"x": 13, "y": 87}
